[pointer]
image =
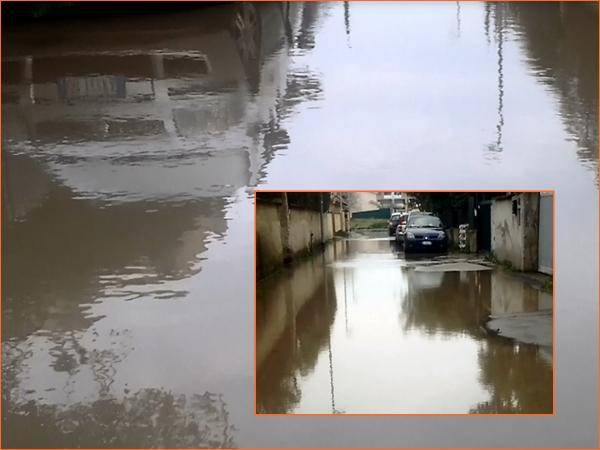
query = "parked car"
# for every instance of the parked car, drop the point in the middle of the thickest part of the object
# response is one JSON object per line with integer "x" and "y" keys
{"x": 393, "y": 223}
{"x": 425, "y": 232}
{"x": 401, "y": 228}
{"x": 403, "y": 221}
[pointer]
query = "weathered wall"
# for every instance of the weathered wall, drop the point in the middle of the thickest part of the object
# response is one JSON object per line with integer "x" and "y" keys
{"x": 305, "y": 230}
{"x": 269, "y": 249}
{"x": 530, "y": 214}
{"x": 515, "y": 236}
{"x": 327, "y": 227}
{"x": 337, "y": 222}
{"x": 303, "y": 235}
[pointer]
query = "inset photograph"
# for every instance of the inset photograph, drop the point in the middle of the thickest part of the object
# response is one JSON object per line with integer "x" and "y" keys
{"x": 404, "y": 302}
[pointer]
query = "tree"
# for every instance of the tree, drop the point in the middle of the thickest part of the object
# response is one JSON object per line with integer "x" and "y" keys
{"x": 452, "y": 207}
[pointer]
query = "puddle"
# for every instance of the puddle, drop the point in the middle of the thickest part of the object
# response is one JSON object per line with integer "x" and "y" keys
{"x": 352, "y": 332}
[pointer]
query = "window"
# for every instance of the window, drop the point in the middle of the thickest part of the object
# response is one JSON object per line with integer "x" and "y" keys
{"x": 425, "y": 222}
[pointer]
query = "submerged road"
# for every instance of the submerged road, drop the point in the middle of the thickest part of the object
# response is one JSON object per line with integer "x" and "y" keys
{"x": 361, "y": 329}
{"x": 130, "y": 150}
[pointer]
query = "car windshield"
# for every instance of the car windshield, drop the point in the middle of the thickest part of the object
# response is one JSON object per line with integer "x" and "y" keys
{"x": 425, "y": 222}
{"x": 395, "y": 217}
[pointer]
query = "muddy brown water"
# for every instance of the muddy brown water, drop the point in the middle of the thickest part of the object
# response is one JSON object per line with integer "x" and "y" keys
{"x": 360, "y": 329}
{"x": 131, "y": 146}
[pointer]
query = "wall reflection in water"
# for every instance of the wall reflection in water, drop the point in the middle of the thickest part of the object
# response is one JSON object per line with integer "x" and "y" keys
{"x": 359, "y": 331}
{"x": 561, "y": 47}
{"x": 125, "y": 145}
{"x": 294, "y": 315}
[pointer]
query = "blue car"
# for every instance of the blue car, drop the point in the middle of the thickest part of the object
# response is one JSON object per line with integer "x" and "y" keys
{"x": 425, "y": 233}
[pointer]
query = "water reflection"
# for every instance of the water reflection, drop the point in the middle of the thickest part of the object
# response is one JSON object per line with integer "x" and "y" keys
{"x": 462, "y": 309}
{"x": 130, "y": 145}
{"x": 108, "y": 112}
{"x": 560, "y": 41}
{"x": 510, "y": 295}
{"x": 293, "y": 328}
{"x": 146, "y": 418}
{"x": 327, "y": 341}
{"x": 125, "y": 145}
{"x": 561, "y": 48}
{"x": 518, "y": 379}
{"x": 499, "y": 26}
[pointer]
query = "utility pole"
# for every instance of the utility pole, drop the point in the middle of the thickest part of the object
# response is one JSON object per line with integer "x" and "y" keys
{"x": 321, "y": 217}
{"x": 284, "y": 219}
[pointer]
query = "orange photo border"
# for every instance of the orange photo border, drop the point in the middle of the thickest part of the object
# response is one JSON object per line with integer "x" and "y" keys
{"x": 548, "y": 191}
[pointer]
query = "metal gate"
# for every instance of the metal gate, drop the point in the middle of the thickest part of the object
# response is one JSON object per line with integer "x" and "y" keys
{"x": 545, "y": 233}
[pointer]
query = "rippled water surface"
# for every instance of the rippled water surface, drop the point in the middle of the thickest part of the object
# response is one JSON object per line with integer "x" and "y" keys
{"x": 131, "y": 145}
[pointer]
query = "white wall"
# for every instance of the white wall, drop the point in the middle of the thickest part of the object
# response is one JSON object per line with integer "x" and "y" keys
{"x": 514, "y": 236}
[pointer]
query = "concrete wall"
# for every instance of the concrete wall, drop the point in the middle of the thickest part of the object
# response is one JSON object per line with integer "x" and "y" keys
{"x": 305, "y": 230}
{"x": 269, "y": 249}
{"x": 515, "y": 235}
{"x": 302, "y": 236}
{"x": 338, "y": 222}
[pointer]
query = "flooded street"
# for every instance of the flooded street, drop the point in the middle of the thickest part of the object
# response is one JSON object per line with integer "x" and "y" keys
{"x": 360, "y": 329}
{"x": 131, "y": 148}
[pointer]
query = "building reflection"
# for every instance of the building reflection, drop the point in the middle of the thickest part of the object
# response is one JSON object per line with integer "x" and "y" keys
{"x": 447, "y": 303}
{"x": 124, "y": 145}
{"x": 193, "y": 86}
{"x": 560, "y": 41}
{"x": 80, "y": 250}
{"x": 518, "y": 378}
{"x": 510, "y": 295}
